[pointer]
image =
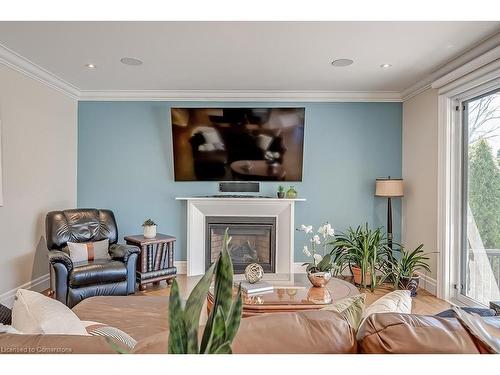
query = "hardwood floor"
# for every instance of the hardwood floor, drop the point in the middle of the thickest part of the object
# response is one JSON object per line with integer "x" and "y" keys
{"x": 424, "y": 303}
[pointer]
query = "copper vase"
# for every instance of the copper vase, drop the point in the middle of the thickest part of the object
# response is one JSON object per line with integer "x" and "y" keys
{"x": 319, "y": 279}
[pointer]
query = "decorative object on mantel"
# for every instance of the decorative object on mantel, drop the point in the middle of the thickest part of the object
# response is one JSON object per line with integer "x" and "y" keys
{"x": 291, "y": 193}
{"x": 254, "y": 273}
{"x": 319, "y": 269}
{"x": 281, "y": 192}
{"x": 389, "y": 188}
{"x": 156, "y": 261}
{"x": 223, "y": 321}
{"x": 149, "y": 228}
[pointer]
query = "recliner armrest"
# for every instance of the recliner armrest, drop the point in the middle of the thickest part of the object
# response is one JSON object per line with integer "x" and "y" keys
{"x": 122, "y": 252}
{"x": 57, "y": 256}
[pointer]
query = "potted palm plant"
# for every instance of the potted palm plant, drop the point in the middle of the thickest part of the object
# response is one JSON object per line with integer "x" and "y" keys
{"x": 404, "y": 269}
{"x": 365, "y": 252}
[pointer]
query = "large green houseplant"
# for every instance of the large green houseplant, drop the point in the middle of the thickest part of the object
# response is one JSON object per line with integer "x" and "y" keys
{"x": 223, "y": 320}
{"x": 404, "y": 269}
{"x": 365, "y": 252}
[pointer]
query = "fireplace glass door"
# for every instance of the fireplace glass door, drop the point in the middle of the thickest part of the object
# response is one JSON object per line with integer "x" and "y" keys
{"x": 253, "y": 240}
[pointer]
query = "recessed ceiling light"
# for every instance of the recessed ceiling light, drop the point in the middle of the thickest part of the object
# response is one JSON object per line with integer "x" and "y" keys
{"x": 342, "y": 62}
{"x": 130, "y": 61}
{"x": 90, "y": 66}
{"x": 385, "y": 66}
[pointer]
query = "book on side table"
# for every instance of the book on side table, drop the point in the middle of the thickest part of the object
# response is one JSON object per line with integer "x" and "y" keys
{"x": 258, "y": 287}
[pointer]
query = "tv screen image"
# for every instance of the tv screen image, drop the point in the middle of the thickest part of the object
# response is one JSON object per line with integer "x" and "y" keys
{"x": 238, "y": 144}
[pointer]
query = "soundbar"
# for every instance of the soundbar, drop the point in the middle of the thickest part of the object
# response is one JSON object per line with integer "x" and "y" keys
{"x": 239, "y": 187}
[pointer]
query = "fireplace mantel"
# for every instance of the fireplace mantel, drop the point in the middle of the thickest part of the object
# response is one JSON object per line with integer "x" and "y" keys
{"x": 200, "y": 207}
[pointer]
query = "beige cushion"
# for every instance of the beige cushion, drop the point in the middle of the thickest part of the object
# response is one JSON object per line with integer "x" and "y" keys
{"x": 398, "y": 301}
{"x": 34, "y": 313}
{"x": 88, "y": 251}
{"x": 350, "y": 308}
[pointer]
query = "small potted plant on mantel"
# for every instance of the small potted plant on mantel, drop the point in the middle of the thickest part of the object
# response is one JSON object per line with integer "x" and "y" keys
{"x": 320, "y": 268}
{"x": 149, "y": 228}
{"x": 404, "y": 269}
{"x": 281, "y": 192}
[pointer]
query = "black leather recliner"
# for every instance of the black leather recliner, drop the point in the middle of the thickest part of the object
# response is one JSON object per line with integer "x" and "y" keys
{"x": 73, "y": 282}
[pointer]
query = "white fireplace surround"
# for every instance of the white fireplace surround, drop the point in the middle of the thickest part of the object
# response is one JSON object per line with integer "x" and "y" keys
{"x": 200, "y": 207}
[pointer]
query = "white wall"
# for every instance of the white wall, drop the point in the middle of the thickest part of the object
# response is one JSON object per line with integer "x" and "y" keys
{"x": 39, "y": 148}
{"x": 420, "y": 171}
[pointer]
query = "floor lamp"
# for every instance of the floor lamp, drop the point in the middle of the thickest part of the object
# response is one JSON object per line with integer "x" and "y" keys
{"x": 389, "y": 188}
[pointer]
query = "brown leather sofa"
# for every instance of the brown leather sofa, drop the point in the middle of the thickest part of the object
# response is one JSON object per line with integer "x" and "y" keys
{"x": 305, "y": 332}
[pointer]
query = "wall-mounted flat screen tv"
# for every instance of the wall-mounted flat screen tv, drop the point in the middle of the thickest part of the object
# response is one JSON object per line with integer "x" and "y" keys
{"x": 238, "y": 144}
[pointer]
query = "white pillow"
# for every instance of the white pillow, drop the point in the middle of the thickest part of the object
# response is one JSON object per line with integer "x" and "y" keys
{"x": 487, "y": 334}
{"x": 398, "y": 301}
{"x": 88, "y": 251}
{"x": 34, "y": 313}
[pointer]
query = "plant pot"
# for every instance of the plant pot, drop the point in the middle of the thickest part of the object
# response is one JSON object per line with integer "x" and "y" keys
{"x": 410, "y": 283}
{"x": 356, "y": 272}
{"x": 281, "y": 194}
{"x": 150, "y": 231}
{"x": 319, "y": 279}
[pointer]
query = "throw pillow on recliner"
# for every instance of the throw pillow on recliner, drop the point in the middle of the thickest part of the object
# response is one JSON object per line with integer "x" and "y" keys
{"x": 88, "y": 251}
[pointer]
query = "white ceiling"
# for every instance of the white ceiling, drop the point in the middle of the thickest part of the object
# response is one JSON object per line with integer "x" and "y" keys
{"x": 243, "y": 55}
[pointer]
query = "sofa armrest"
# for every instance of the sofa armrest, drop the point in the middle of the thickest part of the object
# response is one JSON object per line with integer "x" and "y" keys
{"x": 123, "y": 252}
{"x": 57, "y": 256}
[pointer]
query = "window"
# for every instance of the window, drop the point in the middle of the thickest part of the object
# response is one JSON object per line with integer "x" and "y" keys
{"x": 479, "y": 276}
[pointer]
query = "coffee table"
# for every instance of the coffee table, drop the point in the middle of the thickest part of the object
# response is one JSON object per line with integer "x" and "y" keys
{"x": 294, "y": 294}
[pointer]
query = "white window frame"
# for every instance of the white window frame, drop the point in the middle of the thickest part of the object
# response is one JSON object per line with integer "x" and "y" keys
{"x": 453, "y": 92}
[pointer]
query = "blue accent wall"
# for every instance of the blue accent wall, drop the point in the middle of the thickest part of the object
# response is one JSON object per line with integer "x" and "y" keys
{"x": 125, "y": 163}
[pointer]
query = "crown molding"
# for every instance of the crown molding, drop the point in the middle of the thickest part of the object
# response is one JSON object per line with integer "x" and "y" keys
{"x": 479, "y": 55}
{"x": 17, "y": 62}
{"x": 483, "y": 53}
{"x": 483, "y": 64}
{"x": 240, "y": 95}
{"x": 408, "y": 94}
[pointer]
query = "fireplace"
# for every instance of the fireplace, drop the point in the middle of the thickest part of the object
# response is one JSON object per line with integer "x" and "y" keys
{"x": 253, "y": 240}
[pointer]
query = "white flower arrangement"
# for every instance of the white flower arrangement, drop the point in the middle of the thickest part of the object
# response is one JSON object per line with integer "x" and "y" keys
{"x": 320, "y": 260}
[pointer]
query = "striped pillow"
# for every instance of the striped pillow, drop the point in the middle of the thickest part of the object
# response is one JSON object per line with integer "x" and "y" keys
{"x": 117, "y": 336}
{"x": 88, "y": 251}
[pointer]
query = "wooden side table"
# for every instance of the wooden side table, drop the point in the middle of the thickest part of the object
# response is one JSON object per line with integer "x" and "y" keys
{"x": 156, "y": 262}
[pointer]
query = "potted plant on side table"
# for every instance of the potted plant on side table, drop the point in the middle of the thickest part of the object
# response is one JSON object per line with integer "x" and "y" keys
{"x": 404, "y": 269}
{"x": 319, "y": 269}
{"x": 149, "y": 228}
{"x": 366, "y": 253}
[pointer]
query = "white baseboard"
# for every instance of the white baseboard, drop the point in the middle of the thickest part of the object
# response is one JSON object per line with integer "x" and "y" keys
{"x": 428, "y": 283}
{"x": 38, "y": 285}
{"x": 181, "y": 266}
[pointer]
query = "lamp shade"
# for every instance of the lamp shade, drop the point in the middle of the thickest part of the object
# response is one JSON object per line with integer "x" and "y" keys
{"x": 389, "y": 187}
